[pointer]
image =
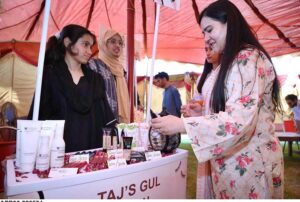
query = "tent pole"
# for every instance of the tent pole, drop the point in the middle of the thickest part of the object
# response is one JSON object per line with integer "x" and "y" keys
{"x": 135, "y": 85}
{"x": 130, "y": 53}
{"x": 153, "y": 61}
{"x": 41, "y": 59}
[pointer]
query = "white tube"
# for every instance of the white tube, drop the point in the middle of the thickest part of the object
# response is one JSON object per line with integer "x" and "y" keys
{"x": 43, "y": 155}
{"x": 29, "y": 143}
{"x": 48, "y": 129}
{"x": 58, "y": 146}
{"x": 18, "y": 144}
{"x": 148, "y": 117}
{"x": 37, "y": 97}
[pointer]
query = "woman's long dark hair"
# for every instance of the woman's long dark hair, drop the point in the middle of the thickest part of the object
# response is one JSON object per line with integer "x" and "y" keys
{"x": 207, "y": 69}
{"x": 239, "y": 35}
{"x": 56, "y": 50}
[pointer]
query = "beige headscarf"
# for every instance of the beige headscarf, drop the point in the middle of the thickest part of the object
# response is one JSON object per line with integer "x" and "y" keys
{"x": 116, "y": 67}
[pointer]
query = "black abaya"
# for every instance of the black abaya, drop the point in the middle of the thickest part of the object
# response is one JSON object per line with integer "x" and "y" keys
{"x": 83, "y": 106}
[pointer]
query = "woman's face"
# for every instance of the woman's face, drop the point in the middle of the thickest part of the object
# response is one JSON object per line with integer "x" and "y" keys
{"x": 214, "y": 33}
{"x": 83, "y": 49}
{"x": 212, "y": 56}
{"x": 115, "y": 45}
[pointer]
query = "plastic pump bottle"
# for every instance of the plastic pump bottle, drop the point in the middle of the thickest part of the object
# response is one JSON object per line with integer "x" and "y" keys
{"x": 58, "y": 147}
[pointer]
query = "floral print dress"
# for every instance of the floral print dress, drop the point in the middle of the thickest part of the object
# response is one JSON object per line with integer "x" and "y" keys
{"x": 245, "y": 155}
{"x": 204, "y": 182}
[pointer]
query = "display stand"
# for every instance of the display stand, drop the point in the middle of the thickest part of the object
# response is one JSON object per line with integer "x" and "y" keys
{"x": 163, "y": 178}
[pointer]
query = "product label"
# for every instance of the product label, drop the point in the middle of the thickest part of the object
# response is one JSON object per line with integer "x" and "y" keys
{"x": 121, "y": 162}
{"x": 112, "y": 163}
{"x": 80, "y": 158}
{"x": 42, "y": 162}
{"x": 116, "y": 163}
{"x": 139, "y": 149}
{"x": 61, "y": 172}
{"x": 150, "y": 156}
{"x": 115, "y": 154}
{"x": 57, "y": 157}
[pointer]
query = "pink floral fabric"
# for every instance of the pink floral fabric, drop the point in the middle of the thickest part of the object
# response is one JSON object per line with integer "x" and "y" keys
{"x": 208, "y": 87}
{"x": 245, "y": 155}
{"x": 204, "y": 181}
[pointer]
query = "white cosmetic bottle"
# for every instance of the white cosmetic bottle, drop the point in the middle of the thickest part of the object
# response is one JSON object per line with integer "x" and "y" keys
{"x": 42, "y": 161}
{"x": 29, "y": 144}
{"x": 58, "y": 146}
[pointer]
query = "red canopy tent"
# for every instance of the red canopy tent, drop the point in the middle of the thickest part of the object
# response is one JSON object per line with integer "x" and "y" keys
{"x": 275, "y": 22}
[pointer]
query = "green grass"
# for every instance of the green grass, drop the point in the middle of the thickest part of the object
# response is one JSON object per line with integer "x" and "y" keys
{"x": 291, "y": 172}
{"x": 191, "y": 171}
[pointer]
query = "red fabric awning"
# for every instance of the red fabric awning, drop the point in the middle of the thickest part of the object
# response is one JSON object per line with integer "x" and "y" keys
{"x": 28, "y": 51}
{"x": 275, "y": 22}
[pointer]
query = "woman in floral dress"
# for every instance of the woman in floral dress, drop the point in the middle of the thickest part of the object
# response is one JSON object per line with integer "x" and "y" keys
{"x": 238, "y": 135}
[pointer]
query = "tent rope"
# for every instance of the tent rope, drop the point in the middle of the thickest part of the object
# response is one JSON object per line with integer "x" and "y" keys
{"x": 144, "y": 14}
{"x": 35, "y": 20}
{"x": 107, "y": 14}
{"x": 196, "y": 10}
{"x": 90, "y": 14}
{"x": 56, "y": 25}
{"x": 266, "y": 21}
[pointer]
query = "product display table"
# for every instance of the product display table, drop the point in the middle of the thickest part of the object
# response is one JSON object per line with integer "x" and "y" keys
{"x": 163, "y": 178}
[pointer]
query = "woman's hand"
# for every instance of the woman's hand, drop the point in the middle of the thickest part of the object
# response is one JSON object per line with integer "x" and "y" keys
{"x": 193, "y": 108}
{"x": 168, "y": 125}
{"x": 185, "y": 110}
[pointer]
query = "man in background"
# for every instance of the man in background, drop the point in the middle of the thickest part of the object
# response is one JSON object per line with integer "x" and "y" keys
{"x": 294, "y": 104}
{"x": 171, "y": 97}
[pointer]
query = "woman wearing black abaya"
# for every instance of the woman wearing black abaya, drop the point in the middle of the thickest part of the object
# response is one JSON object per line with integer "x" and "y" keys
{"x": 72, "y": 92}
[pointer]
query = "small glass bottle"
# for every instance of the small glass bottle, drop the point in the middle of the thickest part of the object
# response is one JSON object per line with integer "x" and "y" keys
{"x": 199, "y": 99}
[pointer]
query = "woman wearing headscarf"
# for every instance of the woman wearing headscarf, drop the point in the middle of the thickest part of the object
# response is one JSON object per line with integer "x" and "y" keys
{"x": 110, "y": 66}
